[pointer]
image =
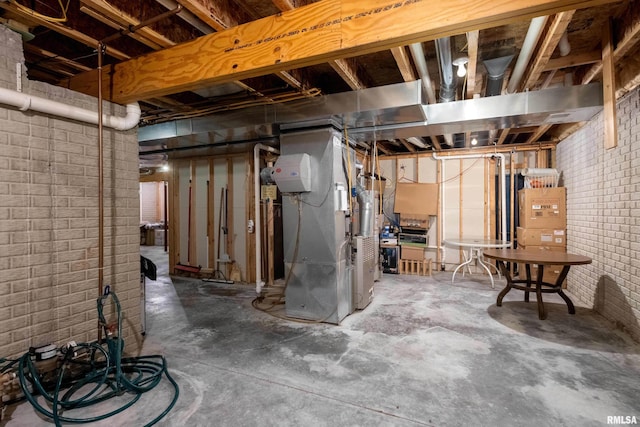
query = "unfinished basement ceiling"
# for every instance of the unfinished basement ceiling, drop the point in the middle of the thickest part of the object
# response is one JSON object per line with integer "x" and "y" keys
{"x": 566, "y": 52}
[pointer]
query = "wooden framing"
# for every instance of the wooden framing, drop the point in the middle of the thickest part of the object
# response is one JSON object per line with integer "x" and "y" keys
{"x": 609, "y": 88}
{"x": 211, "y": 224}
{"x": 472, "y": 51}
{"x": 312, "y": 34}
{"x": 229, "y": 208}
{"x": 250, "y": 239}
{"x": 404, "y": 63}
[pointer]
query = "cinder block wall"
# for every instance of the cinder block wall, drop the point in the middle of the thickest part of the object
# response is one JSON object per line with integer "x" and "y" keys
{"x": 49, "y": 218}
{"x": 603, "y": 214}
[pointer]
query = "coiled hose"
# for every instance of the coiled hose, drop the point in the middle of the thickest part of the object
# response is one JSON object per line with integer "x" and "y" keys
{"x": 109, "y": 375}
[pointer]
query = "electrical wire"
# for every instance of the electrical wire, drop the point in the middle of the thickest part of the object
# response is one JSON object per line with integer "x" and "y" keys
{"x": 109, "y": 375}
{"x": 41, "y": 16}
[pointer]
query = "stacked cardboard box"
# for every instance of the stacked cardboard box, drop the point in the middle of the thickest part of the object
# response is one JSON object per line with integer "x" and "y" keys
{"x": 543, "y": 225}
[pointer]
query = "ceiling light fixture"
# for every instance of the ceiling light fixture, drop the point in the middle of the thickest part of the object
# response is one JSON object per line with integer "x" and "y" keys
{"x": 460, "y": 63}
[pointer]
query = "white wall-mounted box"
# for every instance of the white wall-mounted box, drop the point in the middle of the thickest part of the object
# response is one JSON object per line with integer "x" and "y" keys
{"x": 292, "y": 173}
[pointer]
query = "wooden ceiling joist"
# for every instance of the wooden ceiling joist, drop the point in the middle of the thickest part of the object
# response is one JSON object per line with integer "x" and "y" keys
{"x": 408, "y": 145}
{"x": 609, "y": 88}
{"x": 61, "y": 29}
{"x": 316, "y": 33}
{"x": 558, "y": 26}
{"x": 401, "y": 57}
{"x": 472, "y": 52}
{"x": 503, "y": 136}
{"x": 109, "y": 15}
{"x": 213, "y": 16}
{"x": 573, "y": 60}
{"x": 52, "y": 57}
{"x": 346, "y": 69}
{"x": 538, "y": 134}
{"x": 628, "y": 41}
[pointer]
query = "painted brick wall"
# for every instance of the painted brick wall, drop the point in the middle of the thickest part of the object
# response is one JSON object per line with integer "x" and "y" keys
{"x": 49, "y": 218}
{"x": 603, "y": 214}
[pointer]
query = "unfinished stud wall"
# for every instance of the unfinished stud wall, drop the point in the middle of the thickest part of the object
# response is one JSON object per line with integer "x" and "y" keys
{"x": 49, "y": 218}
{"x": 603, "y": 214}
{"x": 198, "y": 228}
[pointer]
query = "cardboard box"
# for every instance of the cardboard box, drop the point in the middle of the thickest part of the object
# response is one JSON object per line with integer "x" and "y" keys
{"x": 551, "y": 272}
{"x": 411, "y": 253}
{"x": 417, "y": 199}
{"x": 541, "y": 237}
{"x": 543, "y": 208}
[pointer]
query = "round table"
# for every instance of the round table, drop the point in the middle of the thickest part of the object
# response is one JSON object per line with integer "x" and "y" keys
{"x": 539, "y": 258}
{"x": 475, "y": 247}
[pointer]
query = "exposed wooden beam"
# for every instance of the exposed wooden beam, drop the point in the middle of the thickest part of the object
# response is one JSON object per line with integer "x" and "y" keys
{"x": 538, "y": 133}
{"x": 316, "y": 33}
{"x": 209, "y": 13}
{"x": 28, "y": 47}
{"x": 61, "y": 29}
{"x": 472, "y": 52}
{"x": 435, "y": 143}
{"x": 584, "y": 58}
{"x": 609, "y": 88}
{"x": 401, "y": 56}
{"x": 383, "y": 148}
{"x": 630, "y": 37}
{"x": 565, "y": 130}
{"x": 115, "y": 18}
{"x": 491, "y": 149}
{"x": 407, "y": 145}
{"x": 628, "y": 78}
{"x": 347, "y": 69}
{"x": 503, "y": 136}
{"x": 547, "y": 80}
{"x": 558, "y": 26}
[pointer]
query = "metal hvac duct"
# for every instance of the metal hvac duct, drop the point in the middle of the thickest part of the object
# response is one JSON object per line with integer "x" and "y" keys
{"x": 447, "y": 85}
{"x": 388, "y": 112}
{"x": 496, "y": 68}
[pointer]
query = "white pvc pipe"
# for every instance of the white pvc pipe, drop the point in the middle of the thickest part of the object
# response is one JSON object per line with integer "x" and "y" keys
{"x": 503, "y": 188}
{"x": 530, "y": 41}
{"x": 26, "y": 102}
{"x": 256, "y": 220}
{"x": 417, "y": 53}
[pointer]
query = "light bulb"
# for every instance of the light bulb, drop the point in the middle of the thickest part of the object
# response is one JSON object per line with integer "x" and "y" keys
{"x": 462, "y": 71}
{"x": 474, "y": 141}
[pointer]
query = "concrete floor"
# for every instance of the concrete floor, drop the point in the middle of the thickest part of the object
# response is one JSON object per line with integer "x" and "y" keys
{"x": 425, "y": 352}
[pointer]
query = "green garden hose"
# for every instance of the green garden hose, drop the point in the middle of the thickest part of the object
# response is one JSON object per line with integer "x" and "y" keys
{"x": 108, "y": 375}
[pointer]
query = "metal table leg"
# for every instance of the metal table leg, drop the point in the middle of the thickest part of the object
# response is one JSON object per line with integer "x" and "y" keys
{"x": 466, "y": 262}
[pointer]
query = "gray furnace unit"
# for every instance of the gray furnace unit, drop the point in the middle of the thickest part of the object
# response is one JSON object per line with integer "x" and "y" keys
{"x": 317, "y": 256}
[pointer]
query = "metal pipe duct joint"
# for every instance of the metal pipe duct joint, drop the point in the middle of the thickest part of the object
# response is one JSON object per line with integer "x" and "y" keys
{"x": 496, "y": 68}
{"x": 447, "y": 86}
{"x": 365, "y": 200}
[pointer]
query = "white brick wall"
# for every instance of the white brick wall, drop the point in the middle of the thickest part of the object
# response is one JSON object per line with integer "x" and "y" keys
{"x": 49, "y": 218}
{"x": 603, "y": 214}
